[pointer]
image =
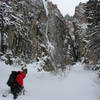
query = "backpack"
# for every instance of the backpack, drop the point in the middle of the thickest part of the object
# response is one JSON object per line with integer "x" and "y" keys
{"x": 12, "y": 78}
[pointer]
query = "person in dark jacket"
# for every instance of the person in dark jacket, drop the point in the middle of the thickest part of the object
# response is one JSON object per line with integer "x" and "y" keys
{"x": 18, "y": 85}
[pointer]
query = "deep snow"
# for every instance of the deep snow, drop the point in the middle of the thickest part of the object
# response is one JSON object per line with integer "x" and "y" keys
{"x": 76, "y": 84}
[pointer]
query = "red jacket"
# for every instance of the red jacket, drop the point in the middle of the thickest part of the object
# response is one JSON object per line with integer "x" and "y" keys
{"x": 19, "y": 78}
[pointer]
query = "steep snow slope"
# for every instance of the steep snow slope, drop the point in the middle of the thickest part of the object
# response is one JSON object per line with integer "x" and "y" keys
{"x": 77, "y": 84}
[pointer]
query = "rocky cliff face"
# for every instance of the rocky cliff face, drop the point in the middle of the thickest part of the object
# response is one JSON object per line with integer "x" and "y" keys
{"x": 28, "y": 34}
{"x": 84, "y": 32}
{"x": 93, "y": 32}
{"x": 35, "y": 30}
{"x": 77, "y": 32}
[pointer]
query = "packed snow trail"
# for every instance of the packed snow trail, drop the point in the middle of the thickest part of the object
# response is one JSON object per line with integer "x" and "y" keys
{"x": 77, "y": 84}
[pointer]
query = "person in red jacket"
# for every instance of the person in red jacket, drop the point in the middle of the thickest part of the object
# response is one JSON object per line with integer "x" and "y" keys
{"x": 18, "y": 84}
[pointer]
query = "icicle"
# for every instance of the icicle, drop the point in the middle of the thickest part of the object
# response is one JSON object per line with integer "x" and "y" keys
{"x": 50, "y": 47}
{"x": 45, "y": 3}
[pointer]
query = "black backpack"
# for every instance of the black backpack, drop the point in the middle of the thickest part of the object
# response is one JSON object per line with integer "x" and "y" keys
{"x": 12, "y": 78}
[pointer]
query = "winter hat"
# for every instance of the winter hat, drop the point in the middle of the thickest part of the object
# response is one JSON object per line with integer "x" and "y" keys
{"x": 25, "y": 70}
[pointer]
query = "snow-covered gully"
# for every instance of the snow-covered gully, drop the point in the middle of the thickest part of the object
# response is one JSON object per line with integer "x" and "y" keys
{"x": 77, "y": 84}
